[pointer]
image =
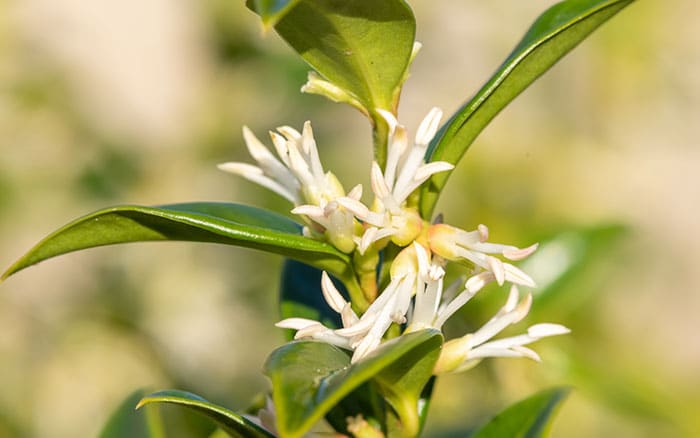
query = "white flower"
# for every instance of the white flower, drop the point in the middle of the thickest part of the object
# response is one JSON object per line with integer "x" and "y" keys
{"x": 308, "y": 328}
{"x": 405, "y": 171}
{"x": 299, "y": 177}
{"x": 454, "y": 244}
{"x": 465, "y": 352}
{"x": 363, "y": 335}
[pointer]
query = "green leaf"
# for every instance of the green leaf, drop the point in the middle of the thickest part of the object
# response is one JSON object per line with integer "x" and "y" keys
{"x": 125, "y": 421}
{"x": 529, "y": 418}
{"x": 271, "y": 11}
{"x": 362, "y": 46}
{"x": 301, "y": 295}
{"x": 235, "y": 425}
{"x": 225, "y": 223}
{"x": 309, "y": 378}
{"x": 551, "y": 36}
{"x": 560, "y": 266}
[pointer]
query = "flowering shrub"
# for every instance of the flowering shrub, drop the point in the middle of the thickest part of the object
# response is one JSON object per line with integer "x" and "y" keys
{"x": 364, "y": 366}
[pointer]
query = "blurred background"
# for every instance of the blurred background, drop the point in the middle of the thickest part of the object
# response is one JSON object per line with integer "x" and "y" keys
{"x": 111, "y": 102}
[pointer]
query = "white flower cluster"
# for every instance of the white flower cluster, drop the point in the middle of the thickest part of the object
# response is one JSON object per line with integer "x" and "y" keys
{"x": 415, "y": 295}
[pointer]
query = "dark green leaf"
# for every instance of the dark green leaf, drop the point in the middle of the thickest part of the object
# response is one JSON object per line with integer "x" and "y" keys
{"x": 225, "y": 223}
{"x": 301, "y": 295}
{"x": 309, "y": 378}
{"x": 271, "y": 11}
{"x": 234, "y": 424}
{"x": 550, "y": 37}
{"x": 127, "y": 422}
{"x": 529, "y": 418}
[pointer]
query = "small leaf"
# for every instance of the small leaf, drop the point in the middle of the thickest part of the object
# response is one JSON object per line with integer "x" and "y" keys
{"x": 309, "y": 378}
{"x": 271, "y": 11}
{"x": 125, "y": 421}
{"x": 235, "y": 425}
{"x": 529, "y": 418}
{"x": 231, "y": 224}
{"x": 551, "y": 36}
{"x": 363, "y": 47}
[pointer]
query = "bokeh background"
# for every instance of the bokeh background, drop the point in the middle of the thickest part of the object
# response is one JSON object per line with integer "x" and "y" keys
{"x": 109, "y": 102}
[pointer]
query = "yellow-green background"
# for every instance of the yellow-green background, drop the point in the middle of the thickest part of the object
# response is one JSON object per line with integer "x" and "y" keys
{"x": 107, "y": 102}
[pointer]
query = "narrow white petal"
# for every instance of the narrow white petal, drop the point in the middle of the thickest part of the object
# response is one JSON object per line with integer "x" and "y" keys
{"x": 312, "y": 211}
{"x": 256, "y": 175}
{"x": 478, "y": 281}
{"x": 366, "y": 346}
{"x": 257, "y": 150}
{"x": 519, "y": 254}
{"x": 359, "y": 328}
{"x": 421, "y": 174}
{"x": 523, "y": 308}
{"x": 496, "y": 266}
{"x": 410, "y": 165}
{"x": 378, "y": 184}
{"x": 423, "y": 260}
{"x": 332, "y": 296}
{"x": 348, "y": 316}
{"x": 309, "y": 145}
{"x": 355, "y": 193}
{"x": 547, "y": 329}
{"x": 483, "y": 232}
{"x": 354, "y": 206}
{"x": 367, "y": 239}
{"x": 515, "y": 275}
{"x": 428, "y": 127}
{"x": 492, "y": 248}
{"x": 299, "y": 166}
{"x": 296, "y": 323}
{"x": 280, "y": 144}
{"x": 512, "y": 301}
{"x": 526, "y": 352}
{"x": 427, "y": 170}
{"x": 456, "y": 304}
{"x": 290, "y": 133}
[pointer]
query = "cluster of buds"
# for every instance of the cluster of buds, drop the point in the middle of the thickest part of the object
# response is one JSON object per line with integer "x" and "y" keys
{"x": 415, "y": 297}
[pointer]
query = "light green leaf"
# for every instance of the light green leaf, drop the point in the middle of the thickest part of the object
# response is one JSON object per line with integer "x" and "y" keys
{"x": 561, "y": 263}
{"x": 529, "y": 418}
{"x": 231, "y": 224}
{"x": 362, "y": 46}
{"x": 551, "y": 36}
{"x": 309, "y": 378}
{"x": 271, "y": 11}
{"x": 125, "y": 421}
{"x": 235, "y": 425}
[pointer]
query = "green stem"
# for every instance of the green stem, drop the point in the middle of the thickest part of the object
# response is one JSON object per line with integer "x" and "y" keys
{"x": 407, "y": 409}
{"x": 380, "y": 138}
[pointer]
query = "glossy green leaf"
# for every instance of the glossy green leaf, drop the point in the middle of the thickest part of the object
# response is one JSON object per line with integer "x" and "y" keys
{"x": 235, "y": 425}
{"x": 309, "y": 378}
{"x": 271, "y": 11}
{"x": 529, "y": 418}
{"x": 126, "y": 421}
{"x": 551, "y": 36}
{"x": 225, "y": 223}
{"x": 301, "y": 295}
{"x": 362, "y": 46}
